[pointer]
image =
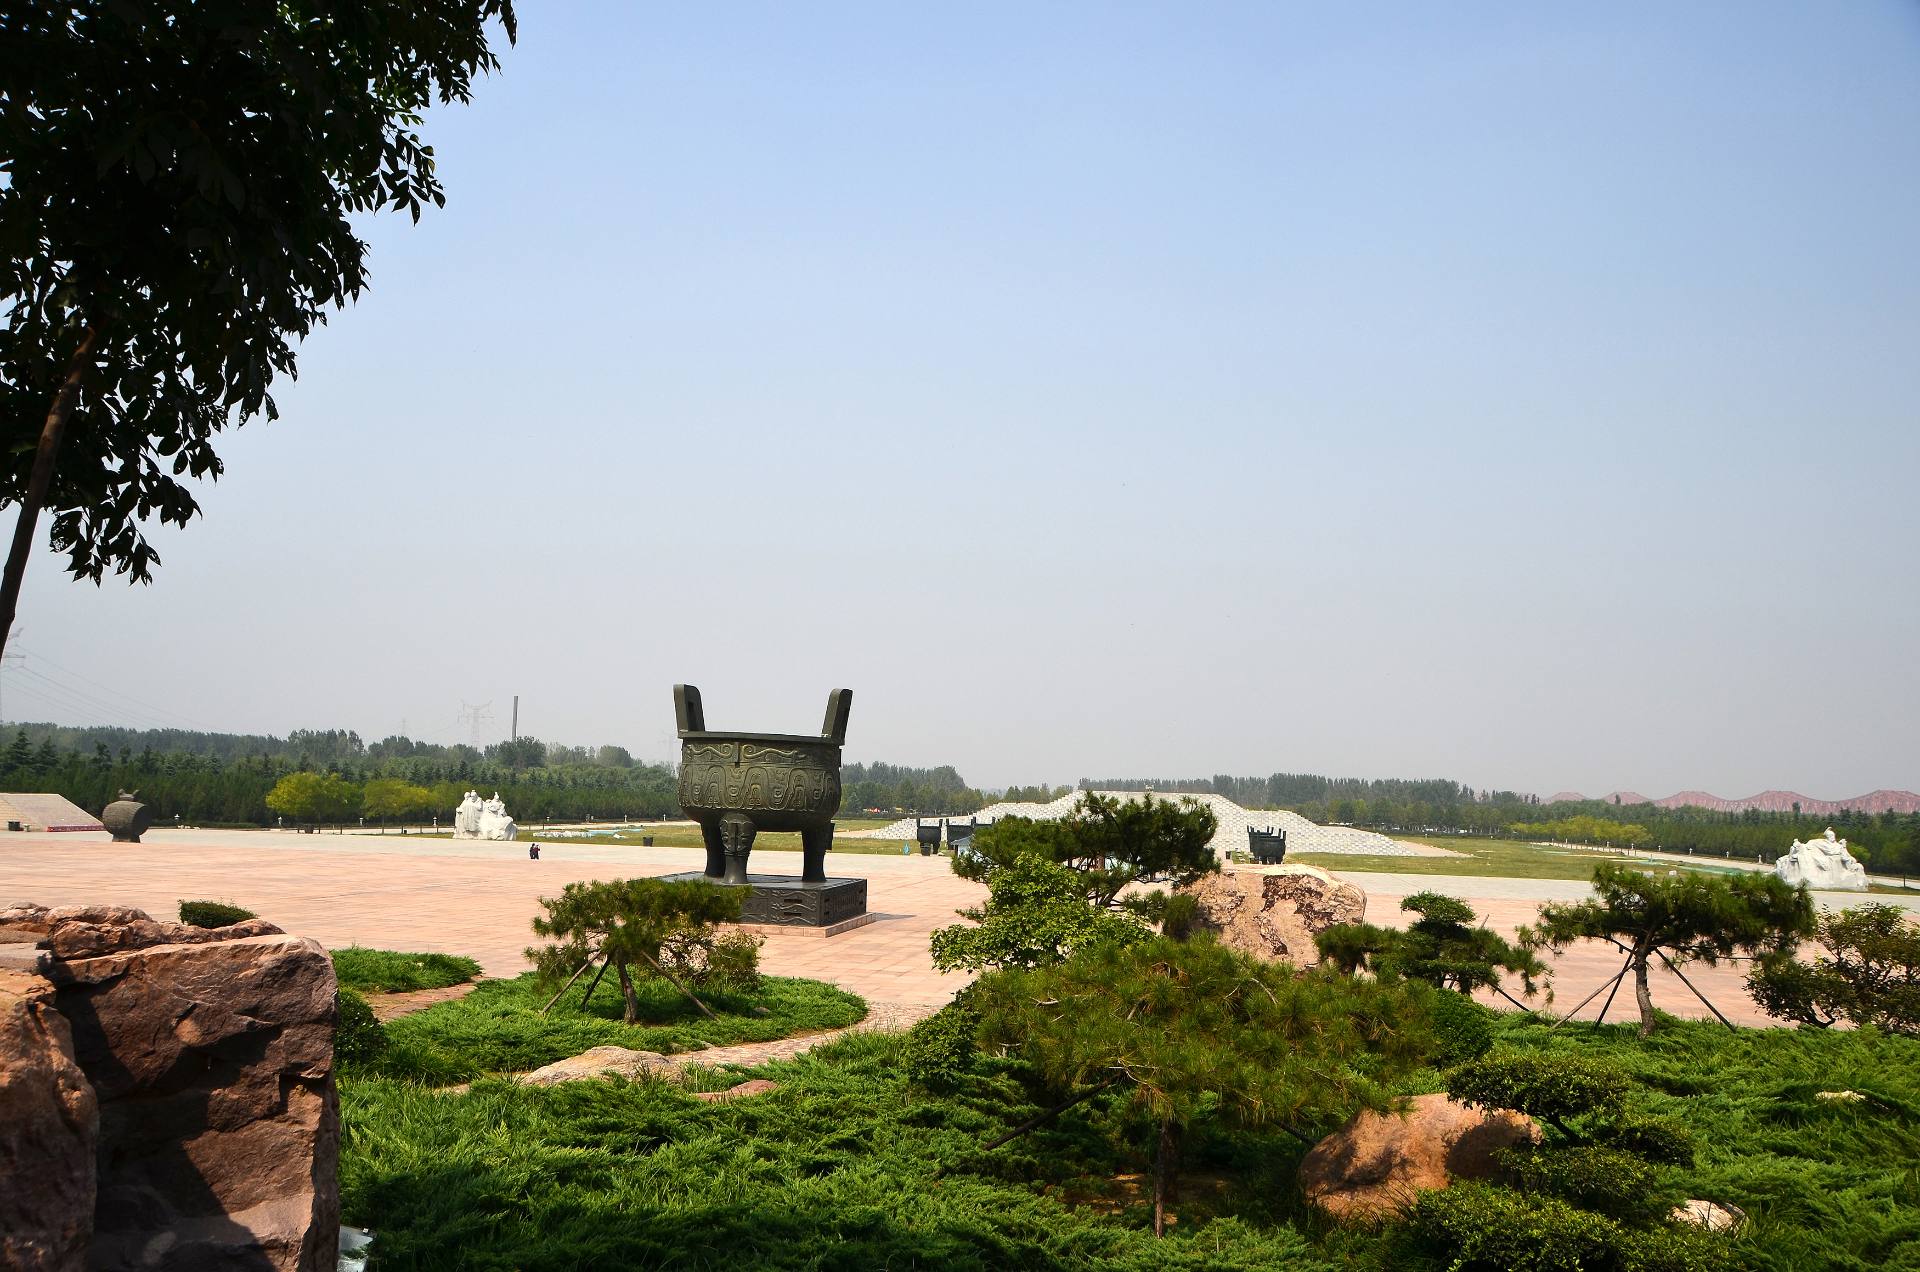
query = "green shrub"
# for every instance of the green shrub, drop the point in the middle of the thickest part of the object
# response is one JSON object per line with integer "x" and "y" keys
{"x": 1483, "y": 1228}
{"x": 395, "y": 971}
{"x": 1595, "y": 1177}
{"x": 1870, "y": 974}
{"x": 358, "y": 1038}
{"x": 1178, "y": 915}
{"x": 213, "y": 914}
{"x": 941, "y": 1049}
{"x": 730, "y": 961}
{"x": 1658, "y": 1139}
{"x": 1556, "y": 1087}
{"x": 1462, "y": 1028}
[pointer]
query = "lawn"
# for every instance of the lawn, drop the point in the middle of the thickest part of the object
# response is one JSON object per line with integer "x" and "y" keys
{"x": 689, "y": 837}
{"x": 391, "y": 971}
{"x": 498, "y": 1027}
{"x": 837, "y": 1168}
{"x": 1505, "y": 858}
{"x": 1516, "y": 859}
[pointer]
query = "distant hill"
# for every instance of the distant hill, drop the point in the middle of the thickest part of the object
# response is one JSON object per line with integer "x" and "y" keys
{"x": 1769, "y": 802}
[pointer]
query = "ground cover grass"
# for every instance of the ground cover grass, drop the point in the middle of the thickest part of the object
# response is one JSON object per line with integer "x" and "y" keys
{"x": 837, "y": 1168}
{"x": 498, "y": 1027}
{"x": 368, "y": 971}
{"x": 1502, "y": 858}
{"x": 1514, "y": 859}
{"x": 776, "y": 840}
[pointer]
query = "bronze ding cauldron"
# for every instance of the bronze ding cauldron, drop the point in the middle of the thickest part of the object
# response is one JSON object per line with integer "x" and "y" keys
{"x": 739, "y": 784}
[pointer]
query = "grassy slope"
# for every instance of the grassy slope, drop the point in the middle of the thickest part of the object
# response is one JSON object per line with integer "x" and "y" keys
{"x": 834, "y": 1170}
{"x": 498, "y": 1029}
{"x": 392, "y": 971}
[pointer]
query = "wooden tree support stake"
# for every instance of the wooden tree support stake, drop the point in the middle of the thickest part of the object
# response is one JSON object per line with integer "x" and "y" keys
{"x": 1674, "y": 968}
{"x": 1590, "y": 997}
{"x": 569, "y": 985}
{"x": 673, "y": 981}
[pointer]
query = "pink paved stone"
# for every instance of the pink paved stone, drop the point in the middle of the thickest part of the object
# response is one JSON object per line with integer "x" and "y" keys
{"x": 477, "y": 899}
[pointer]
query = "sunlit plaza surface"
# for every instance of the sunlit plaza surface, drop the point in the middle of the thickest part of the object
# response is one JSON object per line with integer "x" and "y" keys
{"x": 478, "y": 899}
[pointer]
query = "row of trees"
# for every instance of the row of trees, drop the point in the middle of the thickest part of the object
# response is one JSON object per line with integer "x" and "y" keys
{"x": 1888, "y": 842}
{"x": 229, "y": 779}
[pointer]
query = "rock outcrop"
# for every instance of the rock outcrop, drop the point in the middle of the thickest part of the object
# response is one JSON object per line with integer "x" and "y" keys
{"x": 1274, "y": 912}
{"x": 210, "y": 1055}
{"x": 1371, "y": 1168}
{"x": 49, "y": 1132}
{"x": 597, "y": 1062}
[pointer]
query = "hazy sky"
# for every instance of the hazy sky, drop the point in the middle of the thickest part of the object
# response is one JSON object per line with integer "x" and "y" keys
{"x": 1523, "y": 394}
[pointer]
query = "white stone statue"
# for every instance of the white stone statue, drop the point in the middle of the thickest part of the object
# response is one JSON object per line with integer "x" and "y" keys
{"x": 1823, "y": 864}
{"x": 494, "y": 822}
{"x": 466, "y": 818}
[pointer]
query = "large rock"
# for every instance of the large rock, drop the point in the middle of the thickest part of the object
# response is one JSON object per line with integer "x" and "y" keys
{"x": 49, "y": 1124}
{"x": 597, "y": 1062}
{"x": 211, "y": 1053}
{"x": 1372, "y": 1167}
{"x": 1273, "y": 913}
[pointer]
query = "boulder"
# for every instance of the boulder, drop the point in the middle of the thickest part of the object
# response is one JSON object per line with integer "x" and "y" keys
{"x": 49, "y": 1129}
{"x": 211, "y": 1055}
{"x": 1274, "y": 912}
{"x": 1371, "y": 1168}
{"x": 1711, "y": 1215}
{"x": 597, "y": 1062}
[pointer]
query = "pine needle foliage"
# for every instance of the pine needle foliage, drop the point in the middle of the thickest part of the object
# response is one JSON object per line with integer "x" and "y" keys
{"x": 1682, "y": 917}
{"x": 1445, "y": 947}
{"x": 1192, "y": 1032}
{"x": 639, "y": 927}
{"x": 1109, "y": 844}
{"x": 1036, "y": 914}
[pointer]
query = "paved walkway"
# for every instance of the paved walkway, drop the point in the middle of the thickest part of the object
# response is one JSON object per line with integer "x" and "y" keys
{"x": 478, "y": 899}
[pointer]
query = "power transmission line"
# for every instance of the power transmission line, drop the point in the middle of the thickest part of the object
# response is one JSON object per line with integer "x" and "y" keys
{"x": 475, "y": 718}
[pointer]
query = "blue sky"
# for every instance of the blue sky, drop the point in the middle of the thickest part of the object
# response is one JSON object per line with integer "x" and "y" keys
{"x": 1520, "y": 394}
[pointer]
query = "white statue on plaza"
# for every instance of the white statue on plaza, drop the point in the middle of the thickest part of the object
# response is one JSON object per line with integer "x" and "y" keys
{"x": 494, "y": 822}
{"x": 466, "y": 818}
{"x": 1824, "y": 864}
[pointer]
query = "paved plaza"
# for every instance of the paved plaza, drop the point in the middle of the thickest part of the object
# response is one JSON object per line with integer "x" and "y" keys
{"x": 477, "y": 899}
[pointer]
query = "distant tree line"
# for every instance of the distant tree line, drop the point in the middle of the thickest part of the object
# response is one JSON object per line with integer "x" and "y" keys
{"x": 1887, "y": 842}
{"x": 225, "y": 778}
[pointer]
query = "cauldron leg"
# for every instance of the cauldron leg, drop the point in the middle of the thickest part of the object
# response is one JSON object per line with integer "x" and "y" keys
{"x": 716, "y": 847}
{"x": 736, "y": 833}
{"x": 815, "y": 842}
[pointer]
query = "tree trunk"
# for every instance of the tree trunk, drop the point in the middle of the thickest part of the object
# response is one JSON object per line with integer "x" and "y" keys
{"x": 632, "y": 1016}
{"x": 1163, "y": 1166}
{"x": 40, "y": 480}
{"x": 1641, "y": 993}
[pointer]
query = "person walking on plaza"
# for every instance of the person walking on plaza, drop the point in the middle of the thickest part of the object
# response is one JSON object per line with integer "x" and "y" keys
{"x": 533, "y": 851}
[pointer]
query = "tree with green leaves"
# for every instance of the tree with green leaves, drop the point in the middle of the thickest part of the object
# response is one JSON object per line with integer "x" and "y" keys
{"x": 1445, "y": 946}
{"x": 1869, "y": 974}
{"x": 1036, "y": 913}
{"x": 390, "y": 797}
{"x": 666, "y": 928}
{"x": 176, "y": 188}
{"x": 1678, "y": 917}
{"x": 1110, "y": 844}
{"x": 314, "y": 797}
{"x": 1186, "y": 1031}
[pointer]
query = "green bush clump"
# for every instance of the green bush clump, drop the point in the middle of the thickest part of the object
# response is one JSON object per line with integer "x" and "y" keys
{"x": 1462, "y": 1028}
{"x": 1870, "y": 974}
{"x": 1594, "y": 1177}
{"x": 213, "y": 914}
{"x": 393, "y": 971}
{"x": 941, "y": 1049}
{"x": 358, "y": 1038}
{"x": 1485, "y": 1228}
{"x": 1556, "y": 1087}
